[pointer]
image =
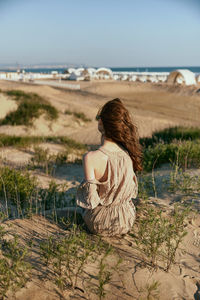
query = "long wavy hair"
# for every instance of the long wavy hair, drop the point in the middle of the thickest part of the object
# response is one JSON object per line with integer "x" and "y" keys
{"x": 119, "y": 128}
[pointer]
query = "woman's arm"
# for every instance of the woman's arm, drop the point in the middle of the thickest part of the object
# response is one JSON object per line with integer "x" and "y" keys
{"x": 89, "y": 163}
{"x": 88, "y": 166}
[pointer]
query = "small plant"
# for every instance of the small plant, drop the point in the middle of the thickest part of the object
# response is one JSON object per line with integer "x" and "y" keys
{"x": 14, "y": 269}
{"x": 145, "y": 186}
{"x": 17, "y": 187}
{"x": 81, "y": 116}
{"x": 2, "y": 232}
{"x": 53, "y": 197}
{"x": 105, "y": 267}
{"x": 42, "y": 158}
{"x": 159, "y": 236}
{"x": 151, "y": 234}
{"x": 174, "y": 234}
{"x": 46, "y": 250}
{"x": 104, "y": 274}
{"x": 151, "y": 291}
{"x": 78, "y": 115}
{"x": 68, "y": 256}
{"x": 184, "y": 184}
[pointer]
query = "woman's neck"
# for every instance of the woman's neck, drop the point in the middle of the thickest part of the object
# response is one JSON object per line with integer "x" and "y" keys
{"x": 108, "y": 143}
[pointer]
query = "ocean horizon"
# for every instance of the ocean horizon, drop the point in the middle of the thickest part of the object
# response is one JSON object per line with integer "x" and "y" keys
{"x": 194, "y": 69}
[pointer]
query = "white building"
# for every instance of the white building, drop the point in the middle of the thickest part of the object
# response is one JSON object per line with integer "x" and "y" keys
{"x": 182, "y": 77}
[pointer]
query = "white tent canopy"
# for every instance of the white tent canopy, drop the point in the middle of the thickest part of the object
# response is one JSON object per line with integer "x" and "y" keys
{"x": 198, "y": 78}
{"x": 182, "y": 77}
{"x": 105, "y": 71}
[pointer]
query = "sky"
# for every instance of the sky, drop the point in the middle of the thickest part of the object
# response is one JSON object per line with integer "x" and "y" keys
{"x": 112, "y": 33}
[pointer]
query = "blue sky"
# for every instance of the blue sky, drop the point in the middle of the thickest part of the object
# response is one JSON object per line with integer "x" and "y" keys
{"x": 101, "y": 32}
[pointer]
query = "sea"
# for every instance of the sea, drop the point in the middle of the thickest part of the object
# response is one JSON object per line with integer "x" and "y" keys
{"x": 195, "y": 70}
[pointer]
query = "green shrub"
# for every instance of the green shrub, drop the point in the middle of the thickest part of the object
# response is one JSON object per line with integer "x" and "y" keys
{"x": 145, "y": 186}
{"x": 18, "y": 141}
{"x": 53, "y": 197}
{"x": 188, "y": 151}
{"x": 30, "y": 106}
{"x": 27, "y": 111}
{"x": 21, "y": 95}
{"x": 170, "y": 134}
{"x": 183, "y": 182}
{"x": 16, "y": 186}
{"x": 17, "y": 94}
{"x": 24, "y": 141}
{"x": 48, "y": 162}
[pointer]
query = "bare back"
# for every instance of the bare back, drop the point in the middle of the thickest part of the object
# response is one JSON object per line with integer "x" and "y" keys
{"x": 95, "y": 165}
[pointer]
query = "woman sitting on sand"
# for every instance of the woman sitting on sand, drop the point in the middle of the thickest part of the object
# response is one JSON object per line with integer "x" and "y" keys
{"x": 110, "y": 182}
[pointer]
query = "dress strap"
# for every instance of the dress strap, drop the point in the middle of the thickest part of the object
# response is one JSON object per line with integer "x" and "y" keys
{"x": 107, "y": 152}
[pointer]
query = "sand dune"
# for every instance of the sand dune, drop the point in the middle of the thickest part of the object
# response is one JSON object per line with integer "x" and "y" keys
{"x": 153, "y": 107}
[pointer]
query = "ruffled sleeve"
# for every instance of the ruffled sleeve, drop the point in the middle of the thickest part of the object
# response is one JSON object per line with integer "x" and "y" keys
{"x": 135, "y": 188}
{"x": 87, "y": 194}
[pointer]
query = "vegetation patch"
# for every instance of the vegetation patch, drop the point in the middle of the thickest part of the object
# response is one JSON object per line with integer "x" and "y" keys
{"x": 48, "y": 162}
{"x": 67, "y": 258}
{"x": 25, "y": 141}
{"x": 166, "y": 145}
{"x": 78, "y": 115}
{"x": 159, "y": 236}
{"x": 14, "y": 269}
{"x": 188, "y": 153}
{"x": 17, "y": 187}
{"x": 171, "y": 134}
{"x": 156, "y": 235}
{"x": 30, "y": 106}
{"x": 68, "y": 142}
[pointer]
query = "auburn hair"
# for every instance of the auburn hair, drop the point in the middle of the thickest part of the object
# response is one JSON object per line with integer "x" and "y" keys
{"x": 119, "y": 127}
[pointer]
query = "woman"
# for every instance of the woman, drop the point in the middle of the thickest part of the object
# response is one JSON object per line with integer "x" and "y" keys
{"x": 110, "y": 183}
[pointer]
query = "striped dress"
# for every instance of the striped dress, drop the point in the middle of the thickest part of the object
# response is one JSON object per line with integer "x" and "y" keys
{"x": 108, "y": 205}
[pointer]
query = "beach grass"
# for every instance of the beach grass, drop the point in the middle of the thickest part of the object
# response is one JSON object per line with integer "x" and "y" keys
{"x": 78, "y": 115}
{"x": 25, "y": 141}
{"x": 30, "y": 107}
{"x": 156, "y": 235}
{"x": 170, "y": 144}
{"x": 187, "y": 153}
{"x": 168, "y": 135}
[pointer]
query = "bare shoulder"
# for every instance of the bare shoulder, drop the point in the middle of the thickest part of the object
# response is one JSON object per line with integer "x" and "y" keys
{"x": 93, "y": 156}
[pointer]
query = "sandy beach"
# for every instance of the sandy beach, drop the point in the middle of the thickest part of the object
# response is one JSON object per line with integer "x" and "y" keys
{"x": 153, "y": 107}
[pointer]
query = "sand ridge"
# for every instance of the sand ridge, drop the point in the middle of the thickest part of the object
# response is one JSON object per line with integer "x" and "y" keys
{"x": 153, "y": 107}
